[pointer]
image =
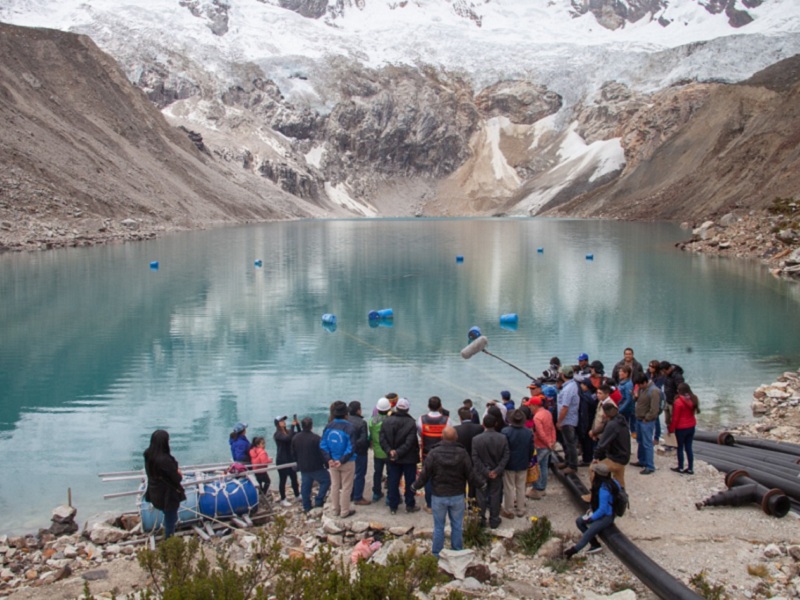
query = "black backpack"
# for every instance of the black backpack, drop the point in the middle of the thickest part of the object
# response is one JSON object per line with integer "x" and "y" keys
{"x": 621, "y": 502}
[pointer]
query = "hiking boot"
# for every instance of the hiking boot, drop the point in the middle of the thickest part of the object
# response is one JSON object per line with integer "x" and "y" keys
{"x": 428, "y": 509}
{"x": 376, "y": 497}
{"x": 688, "y": 472}
{"x": 533, "y": 494}
{"x": 570, "y": 552}
{"x": 362, "y": 502}
{"x": 412, "y": 509}
{"x": 506, "y": 515}
{"x": 637, "y": 464}
{"x": 676, "y": 469}
{"x": 646, "y": 472}
{"x": 349, "y": 513}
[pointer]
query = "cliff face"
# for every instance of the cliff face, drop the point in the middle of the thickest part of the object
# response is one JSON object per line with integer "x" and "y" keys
{"x": 86, "y": 156}
{"x": 700, "y": 151}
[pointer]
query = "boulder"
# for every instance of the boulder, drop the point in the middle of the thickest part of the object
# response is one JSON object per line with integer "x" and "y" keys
{"x": 772, "y": 551}
{"x": 401, "y": 530}
{"x": 727, "y": 220}
{"x": 64, "y": 514}
{"x": 381, "y": 557}
{"x": 102, "y": 534}
{"x": 498, "y": 552}
{"x": 331, "y": 527}
{"x": 480, "y": 571}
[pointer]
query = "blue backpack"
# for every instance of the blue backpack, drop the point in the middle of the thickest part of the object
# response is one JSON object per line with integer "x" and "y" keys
{"x": 336, "y": 442}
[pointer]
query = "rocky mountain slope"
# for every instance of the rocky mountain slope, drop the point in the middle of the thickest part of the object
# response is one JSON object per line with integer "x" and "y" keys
{"x": 646, "y": 109}
{"x": 85, "y": 156}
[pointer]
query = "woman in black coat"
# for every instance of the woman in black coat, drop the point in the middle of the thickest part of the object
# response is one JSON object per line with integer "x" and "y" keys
{"x": 164, "y": 489}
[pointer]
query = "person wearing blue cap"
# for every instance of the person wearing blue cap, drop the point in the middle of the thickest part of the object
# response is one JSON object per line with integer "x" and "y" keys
{"x": 583, "y": 364}
{"x": 507, "y": 401}
{"x": 240, "y": 445}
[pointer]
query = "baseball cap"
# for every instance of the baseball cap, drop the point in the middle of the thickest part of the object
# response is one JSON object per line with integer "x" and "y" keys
{"x": 403, "y": 404}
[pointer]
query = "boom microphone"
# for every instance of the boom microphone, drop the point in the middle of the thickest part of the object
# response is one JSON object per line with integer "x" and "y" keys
{"x": 479, "y": 345}
{"x": 474, "y": 347}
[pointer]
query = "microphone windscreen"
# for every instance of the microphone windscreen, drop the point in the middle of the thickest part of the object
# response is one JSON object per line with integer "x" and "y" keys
{"x": 477, "y": 346}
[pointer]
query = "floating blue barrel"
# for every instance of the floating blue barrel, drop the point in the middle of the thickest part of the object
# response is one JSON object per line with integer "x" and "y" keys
{"x": 258, "y": 263}
{"x": 153, "y": 519}
{"x": 154, "y": 265}
{"x": 459, "y": 259}
{"x": 221, "y": 499}
{"x": 509, "y": 321}
{"x": 474, "y": 333}
{"x": 540, "y": 250}
{"x": 590, "y": 257}
{"x": 384, "y": 313}
{"x": 329, "y": 319}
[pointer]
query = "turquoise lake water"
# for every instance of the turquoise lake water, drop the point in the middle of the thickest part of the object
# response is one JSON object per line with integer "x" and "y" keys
{"x": 98, "y": 349}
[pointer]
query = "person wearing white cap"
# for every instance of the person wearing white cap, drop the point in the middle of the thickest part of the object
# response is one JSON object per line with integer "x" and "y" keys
{"x": 601, "y": 514}
{"x": 379, "y": 457}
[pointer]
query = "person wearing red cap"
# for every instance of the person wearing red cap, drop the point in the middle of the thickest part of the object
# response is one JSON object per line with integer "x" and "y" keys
{"x": 544, "y": 440}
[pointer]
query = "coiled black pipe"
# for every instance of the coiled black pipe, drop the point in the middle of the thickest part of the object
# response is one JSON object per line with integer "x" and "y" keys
{"x": 646, "y": 570}
{"x": 791, "y": 472}
{"x": 771, "y": 480}
{"x": 769, "y": 455}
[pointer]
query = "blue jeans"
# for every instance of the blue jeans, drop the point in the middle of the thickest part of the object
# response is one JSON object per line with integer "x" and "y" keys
{"x": 323, "y": 478}
{"x": 378, "y": 465}
{"x": 359, "y": 482}
{"x": 170, "y": 521}
{"x": 685, "y": 437}
{"x": 590, "y": 530}
{"x": 409, "y": 473}
{"x": 452, "y": 506}
{"x": 644, "y": 437}
{"x": 543, "y": 456}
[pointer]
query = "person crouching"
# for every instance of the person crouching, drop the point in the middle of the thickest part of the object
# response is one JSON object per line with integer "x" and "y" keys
{"x": 601, "y": 515}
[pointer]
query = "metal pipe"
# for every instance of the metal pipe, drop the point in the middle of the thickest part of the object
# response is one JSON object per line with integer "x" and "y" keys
{"x": 649, "y": 572}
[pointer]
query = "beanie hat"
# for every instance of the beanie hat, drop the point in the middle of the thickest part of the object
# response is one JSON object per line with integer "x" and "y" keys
{"x": 505, "y": 395}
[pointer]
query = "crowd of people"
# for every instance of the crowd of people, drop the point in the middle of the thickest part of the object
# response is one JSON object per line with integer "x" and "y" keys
{"x": 499, "y": 458}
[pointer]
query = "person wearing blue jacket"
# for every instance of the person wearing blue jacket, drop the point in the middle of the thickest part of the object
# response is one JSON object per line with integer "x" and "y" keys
{"x": 338, "y": 450}
{"x": 240, "y": 445}
{"x": 601, "y": 516}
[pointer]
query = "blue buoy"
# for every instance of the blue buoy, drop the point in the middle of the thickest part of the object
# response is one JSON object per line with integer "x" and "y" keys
{"x": 258, "y": 263}
{"x": 540, "y": 250}
{"x": 459, "y": 259}
{"x": 509, "y": 319}
{"x": 329, "y": 319}
{"x": 154, "y": 265}
{"x": 590, "y": 257}
{"x": 474, "y": 333}
{"x": 383, "y": 313}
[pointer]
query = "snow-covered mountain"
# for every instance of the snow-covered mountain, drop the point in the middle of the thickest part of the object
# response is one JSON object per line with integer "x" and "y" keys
{"x": 426, "y": 106}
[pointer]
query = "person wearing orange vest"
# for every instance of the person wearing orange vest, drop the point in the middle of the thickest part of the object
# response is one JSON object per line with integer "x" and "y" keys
{"x": 430, "y": 427}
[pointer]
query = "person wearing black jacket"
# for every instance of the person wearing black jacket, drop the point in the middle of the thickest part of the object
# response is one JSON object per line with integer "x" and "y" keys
{"x": 614, "y": 446}
{"x": 361, "y": 451}
{"x": 399, "y": 441}
{"x": 673, "y": 377}
{"x": 311, "y": 464}
{"x": 448, "y": 468}
{"x": 164, "y": 489}
{"x": 283, "y": 440}
{"x": 490, "y": 455}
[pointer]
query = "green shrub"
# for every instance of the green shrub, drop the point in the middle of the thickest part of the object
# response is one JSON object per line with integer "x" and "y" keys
{"x": 530, "y": 540}
{"x": 706, "y": 589}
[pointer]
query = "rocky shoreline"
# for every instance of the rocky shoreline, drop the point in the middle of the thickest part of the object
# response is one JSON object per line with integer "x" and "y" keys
{"x": 724, "y": 545}
{"x": 763, "y": 235}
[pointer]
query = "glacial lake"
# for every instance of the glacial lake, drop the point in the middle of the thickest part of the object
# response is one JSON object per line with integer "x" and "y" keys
{"x": 98, "y": 349}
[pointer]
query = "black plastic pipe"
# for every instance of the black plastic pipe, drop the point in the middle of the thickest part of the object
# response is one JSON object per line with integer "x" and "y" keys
{"x": 770, "y": 480}
{"x": 650, "y": 573}
{"x": 784, "y": 447}
{"x": 791, "y": 472}
{"x": 769, "y": 455}
{"x": 742, "y": 490}
{"x": 723, "y": 438}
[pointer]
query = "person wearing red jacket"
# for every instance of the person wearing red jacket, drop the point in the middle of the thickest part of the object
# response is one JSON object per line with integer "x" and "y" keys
{"x": 683, "y": 424}
{"x": 260, "y": 459}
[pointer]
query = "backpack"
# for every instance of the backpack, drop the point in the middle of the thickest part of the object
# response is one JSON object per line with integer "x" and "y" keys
{"x": 336, "y": 442}
{"x": 621, "y": 501}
